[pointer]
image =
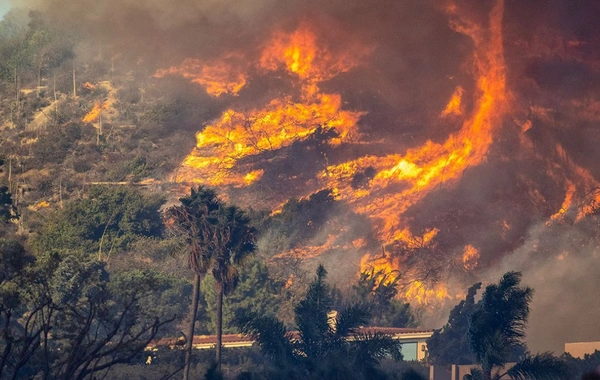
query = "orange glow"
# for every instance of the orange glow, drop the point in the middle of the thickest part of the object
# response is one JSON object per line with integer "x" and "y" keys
{"x": 562, "y": 256}
{"x": 94, "y": 114}
{"x": 418, "y": 292}
{"x": 40, "y": 205}
{"x": 238, "y": 134}
{"x": 253, "y": 176}
{"x": 454, "y": 105}
{"x": 223, "y": 76}
{"x": 290, "y": 281}
{"x": 581, "y": 190}
{"x": 301, "y": 54}
{"x": 308, "y": 251}
{"x": 385, "y": 264}
{"x": 470, "y": 257}
{"x": 423, "y": 169}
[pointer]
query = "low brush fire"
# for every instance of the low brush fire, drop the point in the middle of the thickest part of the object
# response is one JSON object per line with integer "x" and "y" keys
{"x": 309, "y": 139}
{"x": 94, "y": 114}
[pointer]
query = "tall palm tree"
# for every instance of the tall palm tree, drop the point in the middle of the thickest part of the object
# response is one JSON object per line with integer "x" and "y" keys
{"x": 326, "y": 345}
{"x": 194, "y": 218}
{"x": 496, "y": 334}
{"x": 232, "y": 240}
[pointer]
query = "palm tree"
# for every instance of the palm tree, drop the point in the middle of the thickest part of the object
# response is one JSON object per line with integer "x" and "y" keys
{"x": 194, "y": 218}
{"x": 497, "y": 330}
{"x": 232, "y": 240}
{"x": 326, "y": 345}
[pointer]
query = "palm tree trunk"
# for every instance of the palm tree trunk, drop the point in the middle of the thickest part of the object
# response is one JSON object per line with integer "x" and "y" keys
{"x": 219, "y": 323}
{"x": 190, "y": 333}
{"x": 487, "y": 373}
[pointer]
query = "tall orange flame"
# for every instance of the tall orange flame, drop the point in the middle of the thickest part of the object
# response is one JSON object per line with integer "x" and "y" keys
{"x": 421, "y": 170}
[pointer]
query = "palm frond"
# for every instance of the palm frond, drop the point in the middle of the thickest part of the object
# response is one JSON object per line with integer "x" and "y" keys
{"x": 370, "y": 348}
{"x": 349, "y": 319}
{"x": 539, "y": 367}
{"x": 497, "y": 328}
{"x": 270, "y": 334}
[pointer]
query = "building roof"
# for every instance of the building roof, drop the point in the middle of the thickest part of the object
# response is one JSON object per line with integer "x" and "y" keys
{"x": 239, "y": 340}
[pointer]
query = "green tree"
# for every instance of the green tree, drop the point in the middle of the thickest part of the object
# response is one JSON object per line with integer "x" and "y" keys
{"x": 255, "y": 293}
{"x": 193, "y": 219}
{"x": 34, "y": 49}
{"x": 497, "y": 330}
{"x": 326, "y": 345}
{"x": 110, "y": 219}
{"x": 55, "y": 144}
{"x": 65, "y": 317}
{"x": 49, "y": 47}
{"x": 578, "y": 367}
{"x": 299, "y": 221}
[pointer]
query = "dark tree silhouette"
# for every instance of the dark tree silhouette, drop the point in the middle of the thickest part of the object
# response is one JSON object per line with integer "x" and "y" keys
{"x": 326, "y": 345}
{"x": 497, "y": 330}
{"x": 450, "y": 344}
{"x": 64, "y": 317}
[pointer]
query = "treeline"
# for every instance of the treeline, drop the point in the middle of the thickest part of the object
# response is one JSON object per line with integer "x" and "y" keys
{"x": 103, "y": 275}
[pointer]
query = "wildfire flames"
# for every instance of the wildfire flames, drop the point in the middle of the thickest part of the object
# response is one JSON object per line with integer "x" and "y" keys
{"x": 240, "y": 134}
{"x": 94, "y": 114}
{"x": 224, "y": 76}
{"x": 228, "y": 150}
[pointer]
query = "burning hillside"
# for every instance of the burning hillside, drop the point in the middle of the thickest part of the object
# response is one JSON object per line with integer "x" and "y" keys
{"x": 446, "y": 201}
{"x": 445, "y": 140}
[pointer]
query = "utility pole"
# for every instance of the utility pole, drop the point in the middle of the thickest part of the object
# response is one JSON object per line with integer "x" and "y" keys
{"x": 74, "y": 82}
{"x": 99, "y": 127}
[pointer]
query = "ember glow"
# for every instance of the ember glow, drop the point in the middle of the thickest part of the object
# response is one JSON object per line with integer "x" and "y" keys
{"x": 454, "y": 106}
{"x": 470, "y": 257}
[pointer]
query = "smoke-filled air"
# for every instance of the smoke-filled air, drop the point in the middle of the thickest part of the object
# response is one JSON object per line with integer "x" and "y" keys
{"x": 439, "y": 142}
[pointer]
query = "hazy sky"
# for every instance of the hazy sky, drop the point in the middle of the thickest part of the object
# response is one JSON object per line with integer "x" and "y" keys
{"x": 4, "y": 7}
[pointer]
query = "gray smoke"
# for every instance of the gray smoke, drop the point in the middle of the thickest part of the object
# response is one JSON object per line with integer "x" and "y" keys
{"x": 561, "y": 262}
